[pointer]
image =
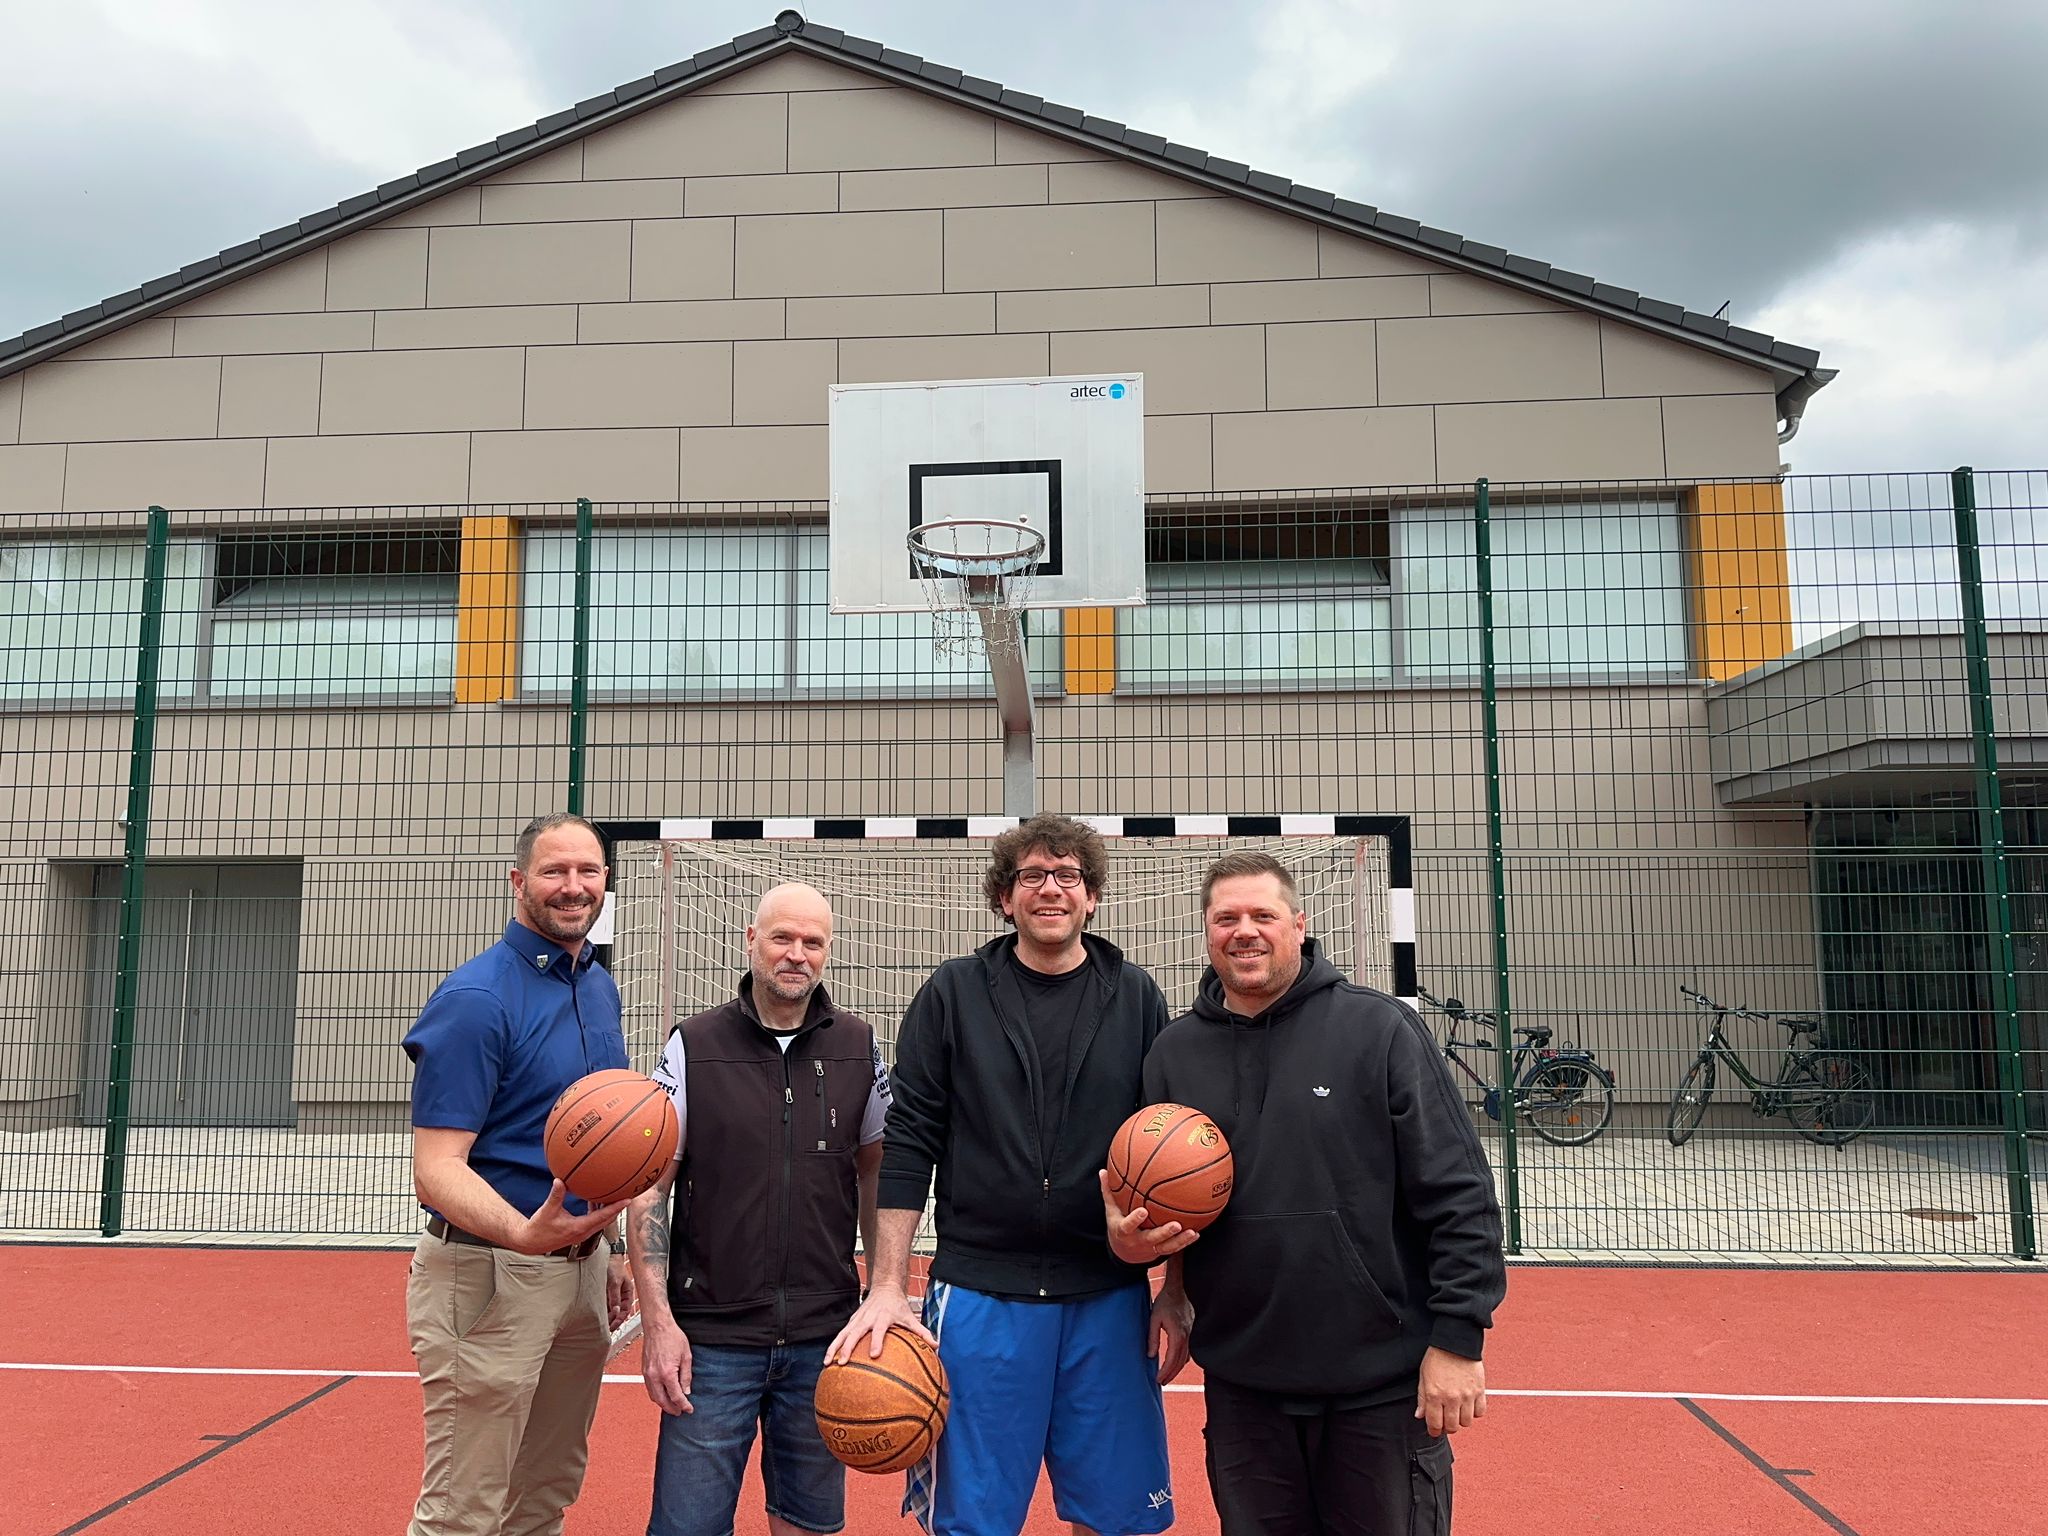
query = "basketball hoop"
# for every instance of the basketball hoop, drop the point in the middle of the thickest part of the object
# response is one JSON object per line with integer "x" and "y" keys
{"x": 977, "y": 574}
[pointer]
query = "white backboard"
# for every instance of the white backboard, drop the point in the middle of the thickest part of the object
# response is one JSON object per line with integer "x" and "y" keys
{"x": 1066, "y": 456}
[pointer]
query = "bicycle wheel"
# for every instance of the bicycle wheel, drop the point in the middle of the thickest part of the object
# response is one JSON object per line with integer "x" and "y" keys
{"x": 1829, "y": 1097}
{"x": 1690, "y": 1102}
{"x": 1567, "y": 1103}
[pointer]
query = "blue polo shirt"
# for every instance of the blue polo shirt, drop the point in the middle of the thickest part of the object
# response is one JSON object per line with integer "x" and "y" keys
{"x": 497, "y": 1043}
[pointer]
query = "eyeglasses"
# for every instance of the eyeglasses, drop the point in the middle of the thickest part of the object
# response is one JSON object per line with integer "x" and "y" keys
{"x": 1031, "y": 879}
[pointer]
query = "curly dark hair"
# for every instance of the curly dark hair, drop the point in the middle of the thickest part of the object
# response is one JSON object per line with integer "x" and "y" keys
{"x": 1060, "y": 836}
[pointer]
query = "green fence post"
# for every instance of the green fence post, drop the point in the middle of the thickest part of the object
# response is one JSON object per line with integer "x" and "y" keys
{"x": 1997, "y": 876}
{"x": 579, "y": 664}
{"x": 135, "y": 857}
{"x": 1503, "y": 1012}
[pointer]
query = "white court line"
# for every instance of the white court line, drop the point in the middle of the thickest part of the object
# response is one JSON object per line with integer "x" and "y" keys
{"x": 1698, "y": 1397}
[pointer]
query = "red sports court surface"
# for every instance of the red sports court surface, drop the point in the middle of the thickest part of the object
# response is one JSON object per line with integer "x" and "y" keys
{"x": 178, "y": 1391}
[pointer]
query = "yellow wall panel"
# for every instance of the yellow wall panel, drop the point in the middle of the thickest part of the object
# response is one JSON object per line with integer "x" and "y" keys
{"x": 1742, "y": 596}
{"x": 487, "y": 611}
{"x": 1091, "y": 650}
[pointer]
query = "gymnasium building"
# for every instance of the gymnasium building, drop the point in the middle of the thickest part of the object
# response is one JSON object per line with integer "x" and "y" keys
{"x": 371, "y": 430}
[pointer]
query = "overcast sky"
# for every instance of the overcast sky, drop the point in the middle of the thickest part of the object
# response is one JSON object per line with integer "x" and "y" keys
{"x": 1865, "y": 178}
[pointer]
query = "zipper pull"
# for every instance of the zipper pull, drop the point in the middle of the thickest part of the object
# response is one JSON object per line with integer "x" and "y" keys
{"x": 788, "y": 1098}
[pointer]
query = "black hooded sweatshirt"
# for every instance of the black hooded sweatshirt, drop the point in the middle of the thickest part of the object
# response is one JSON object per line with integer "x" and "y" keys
{"x": 1017, "y": 1218}
{"x": 1362, "y": 1226}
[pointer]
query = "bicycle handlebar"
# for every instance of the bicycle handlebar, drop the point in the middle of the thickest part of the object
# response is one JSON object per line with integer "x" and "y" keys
{"x": 1706, "y": 1004}
{"x": 1452, "y": 1008}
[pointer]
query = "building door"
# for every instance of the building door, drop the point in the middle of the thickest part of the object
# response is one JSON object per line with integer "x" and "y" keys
{"x": 1907, "y": 965}
{"x": 216, "y": 992}
{"x": 1904, "y": 962}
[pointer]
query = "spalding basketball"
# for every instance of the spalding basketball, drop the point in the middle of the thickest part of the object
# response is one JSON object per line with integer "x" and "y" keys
{"x": 882, "y": 1414}
{"x": 611, "y": 1135}
{"x": 1173, "y": 1161}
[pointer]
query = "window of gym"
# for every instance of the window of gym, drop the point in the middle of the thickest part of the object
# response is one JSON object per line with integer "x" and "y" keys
{"x": 1587, "y": 588}
{"x": 71, "y": 613}
{"x": 735, "y": 608}
{"x": 1260, "y": 594}
{"x": 327, "y": 615}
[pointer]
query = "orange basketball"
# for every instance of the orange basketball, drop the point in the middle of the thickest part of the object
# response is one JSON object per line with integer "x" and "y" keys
{"x": 880, "y": 1415}
{"x": 611, "y": 1134}
{"x": 1173, "y": 1161}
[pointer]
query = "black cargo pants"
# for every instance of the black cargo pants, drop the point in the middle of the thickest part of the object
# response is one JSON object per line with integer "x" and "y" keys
{"x": 1324, "y": 1472}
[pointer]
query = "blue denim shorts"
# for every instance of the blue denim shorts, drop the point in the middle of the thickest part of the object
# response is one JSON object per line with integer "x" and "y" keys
{"x": 702, "y": 1457}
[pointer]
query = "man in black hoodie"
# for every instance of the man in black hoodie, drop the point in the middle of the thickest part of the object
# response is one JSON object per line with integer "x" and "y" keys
{"x": 1341, "y": 1299}
{"x": 1015, "y": 1066}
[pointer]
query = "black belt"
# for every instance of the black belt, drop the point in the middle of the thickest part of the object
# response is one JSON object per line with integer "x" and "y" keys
{"x": 436, "y": 1227}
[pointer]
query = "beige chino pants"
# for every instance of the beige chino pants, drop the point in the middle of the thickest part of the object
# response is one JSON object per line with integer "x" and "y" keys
{"x": 511, "y": 1352}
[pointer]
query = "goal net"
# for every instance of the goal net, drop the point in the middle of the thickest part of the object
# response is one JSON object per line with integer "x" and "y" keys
{"x": 902, "y": 906}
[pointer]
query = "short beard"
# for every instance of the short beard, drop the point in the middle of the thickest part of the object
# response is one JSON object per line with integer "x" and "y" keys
{"x": 774, "y": 985}
{"x": 561, "y": 927}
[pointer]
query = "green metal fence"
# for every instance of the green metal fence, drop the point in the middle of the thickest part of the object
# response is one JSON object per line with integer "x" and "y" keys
{"x": 1781, "y": 747}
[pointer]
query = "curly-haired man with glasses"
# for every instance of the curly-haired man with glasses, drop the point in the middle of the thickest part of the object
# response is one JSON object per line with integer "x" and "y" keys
{"x": 1014, "y": 1067}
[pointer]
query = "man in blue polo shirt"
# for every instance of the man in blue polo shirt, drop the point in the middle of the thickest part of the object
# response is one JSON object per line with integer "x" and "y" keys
{"x": 511, "y": 1301}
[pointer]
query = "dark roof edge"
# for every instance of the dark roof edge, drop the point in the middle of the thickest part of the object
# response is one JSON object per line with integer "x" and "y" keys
{"x": 209, "y": 273}
{"x": 1795, "y": 369}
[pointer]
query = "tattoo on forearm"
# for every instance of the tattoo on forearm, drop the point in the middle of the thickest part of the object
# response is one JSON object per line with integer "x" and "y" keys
{"x": 654, "y": 1241}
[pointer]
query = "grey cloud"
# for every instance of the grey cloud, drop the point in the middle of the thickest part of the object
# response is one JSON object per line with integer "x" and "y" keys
{"x": 1700, "y": 166}
{"x": 1695, "y": 158}
{"x": 124, "y": 204}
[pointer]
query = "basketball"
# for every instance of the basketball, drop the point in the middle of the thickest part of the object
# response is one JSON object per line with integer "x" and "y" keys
{"x": 880, "y": 1415}
{"x": 1173, "y": 1161}
{"x": 610, "y": 1135}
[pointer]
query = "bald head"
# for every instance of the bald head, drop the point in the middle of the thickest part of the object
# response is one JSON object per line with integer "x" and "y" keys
{"x": 787, "y": 943}
{"x": 794, "y": 898}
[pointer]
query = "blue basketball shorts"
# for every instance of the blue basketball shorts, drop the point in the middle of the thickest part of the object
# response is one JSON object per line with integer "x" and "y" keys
{"x": 1066, "y": 1384}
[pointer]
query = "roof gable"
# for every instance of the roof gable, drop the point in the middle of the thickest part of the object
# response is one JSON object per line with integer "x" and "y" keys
{"x": 794, "y": 56}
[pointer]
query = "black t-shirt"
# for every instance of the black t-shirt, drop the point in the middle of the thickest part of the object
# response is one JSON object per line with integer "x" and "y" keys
{"x": 1053, "y": 1007}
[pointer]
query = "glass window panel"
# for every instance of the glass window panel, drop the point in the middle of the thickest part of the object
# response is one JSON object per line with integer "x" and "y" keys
{"x": 1579, "y": 591}
{"x": 893, "y": 653}
{"x": 672, "y": 611}
{"x": 1250, "y": 642}
{"x": 683, "y": 612}
{"x": 365, "y": 591}
{"x": 1246, "y": 623}
{"x": 333, "y": 655}
{"x": 71, "y": 617}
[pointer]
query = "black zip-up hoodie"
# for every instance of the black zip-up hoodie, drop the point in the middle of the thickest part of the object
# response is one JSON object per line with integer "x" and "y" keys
{"x": 1362, "y": 1226}
{"x": 967, "y": 1101}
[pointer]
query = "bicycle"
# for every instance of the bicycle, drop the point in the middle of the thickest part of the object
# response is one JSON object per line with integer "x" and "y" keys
{"x": 1563, "y": 1095}
{"x": 1827, "y": 1094}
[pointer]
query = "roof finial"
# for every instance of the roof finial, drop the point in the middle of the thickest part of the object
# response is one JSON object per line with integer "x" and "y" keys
{"x": 789, "y": 23}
